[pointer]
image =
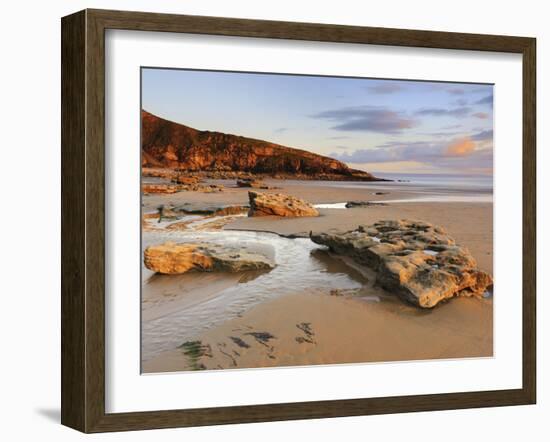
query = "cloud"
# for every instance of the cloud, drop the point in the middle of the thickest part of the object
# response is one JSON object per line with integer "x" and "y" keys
{"x": 460, "y": 148}
{"x": 385, "y": 88}
{"x": 339, "y": 137}
{"x": 393, "y": 151}
{"x": 442, "y": 134}
{"x": 484, "y": 135}
{"x": 478, "y": 160}
{"x": 460, "y": 102}
{"x": 458, "y": 112}
{"x": 459, "y": 153}
{"x": 367, "y": 119}
{"x": 456, "y": 91}
{"x": 486, "y": 100}
{"x": 481, "y": 115}
{"x": 280, "y": 130}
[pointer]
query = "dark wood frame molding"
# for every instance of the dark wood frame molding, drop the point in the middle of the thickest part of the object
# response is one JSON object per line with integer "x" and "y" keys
{"x": 83, "y": 216}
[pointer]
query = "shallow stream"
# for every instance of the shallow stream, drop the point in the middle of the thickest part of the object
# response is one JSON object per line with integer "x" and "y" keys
{"x": 301, "y": 266}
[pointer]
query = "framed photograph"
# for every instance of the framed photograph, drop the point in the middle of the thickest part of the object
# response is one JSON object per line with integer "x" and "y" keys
{"x": 269, "y": 220}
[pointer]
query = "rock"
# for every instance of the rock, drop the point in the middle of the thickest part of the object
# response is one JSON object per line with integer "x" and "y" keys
{"x": 160, "y": 188}
{"x": 231, "y": 210}
{"x": 173, "y": 259}
{"x": 254, "y": 183}
{"x": 278, "y": 204}
{"x": 171, "y": 188}
{"x": 352, "y": 204}
{"x": 417, "y": 261}
{"x": 158, "y": 173}
{"x": 182, "y": 179}
{"x": 169, "y": 145}
{"x": 207, "y": 189}
{"x": 192, "y": 209}
{"x": 167, "y": 212}
{"x": 250, "y": 182}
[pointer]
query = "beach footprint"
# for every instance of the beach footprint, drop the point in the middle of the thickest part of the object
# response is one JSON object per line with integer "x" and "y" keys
{"x": 308, "y": 334}
{"x": 264, "y": 339}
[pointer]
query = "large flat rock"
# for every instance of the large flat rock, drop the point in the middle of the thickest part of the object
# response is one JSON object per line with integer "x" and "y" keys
{"x": 278, "y": 204}
{"x": 173, "y": 259}
{"x": 416, "y": 260}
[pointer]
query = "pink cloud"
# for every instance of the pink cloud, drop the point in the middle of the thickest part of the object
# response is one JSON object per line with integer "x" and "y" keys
{"x": 460, "y": 148}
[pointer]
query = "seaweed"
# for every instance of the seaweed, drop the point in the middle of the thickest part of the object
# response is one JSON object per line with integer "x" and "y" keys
{"x": 195, "y": 350}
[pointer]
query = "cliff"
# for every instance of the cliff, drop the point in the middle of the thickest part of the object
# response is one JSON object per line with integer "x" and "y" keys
{"x": 171, "y": 145}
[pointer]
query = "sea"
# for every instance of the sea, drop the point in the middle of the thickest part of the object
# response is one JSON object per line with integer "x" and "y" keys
{"x": 422, "y": 187}
{"x": 447, "y": 181}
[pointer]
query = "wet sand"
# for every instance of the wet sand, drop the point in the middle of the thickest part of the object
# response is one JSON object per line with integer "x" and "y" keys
{"x": 312, "y": 191}
{"x": 301, "y": 327}
{"x": 470, "y": 225}
{"x": 312, "y": 329}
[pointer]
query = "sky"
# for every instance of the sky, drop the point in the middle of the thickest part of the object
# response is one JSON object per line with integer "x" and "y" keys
{"x": 376, "y": 125}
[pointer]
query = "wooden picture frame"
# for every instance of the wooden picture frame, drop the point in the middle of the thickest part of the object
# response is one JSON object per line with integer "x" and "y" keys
{"x": 83, "y": 219}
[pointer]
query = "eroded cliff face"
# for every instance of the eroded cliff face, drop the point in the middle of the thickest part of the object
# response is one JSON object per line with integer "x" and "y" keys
{"x": 175, "y": 146}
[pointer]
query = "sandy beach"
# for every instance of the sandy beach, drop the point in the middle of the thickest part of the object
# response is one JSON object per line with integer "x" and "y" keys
{"x": 471, "y": 224}
{"x": 316, "y": 328}
{"x": 315, "y": 307}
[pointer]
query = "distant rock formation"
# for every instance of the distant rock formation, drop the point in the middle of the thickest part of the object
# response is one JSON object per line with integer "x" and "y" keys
{"x": 352, "y": 204}
{"x": 148, "y": 188}
{"x": 251, "y": 182}
{"x": 278, "y": 204}
{"x": 159, "y": 188}
{"x": 415, "y": 260}
{"x": 170, "y": 145}
{"x": 174, "y": 259}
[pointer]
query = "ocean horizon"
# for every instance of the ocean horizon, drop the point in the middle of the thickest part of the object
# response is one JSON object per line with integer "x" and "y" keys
{"x": 451, "y": 181}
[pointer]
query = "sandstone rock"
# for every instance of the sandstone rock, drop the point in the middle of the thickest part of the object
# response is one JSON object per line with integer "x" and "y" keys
{"x": 183, "y": 179}
{"x": 171, "y": 188}
{"x": 413, "y": 259}
{"x": 172, "y": 259}
{"x": 166, "y": 144}
{"x": 157, "y": 172}
{"x": 278, "y": 204}
{"x": 159, "y": 188}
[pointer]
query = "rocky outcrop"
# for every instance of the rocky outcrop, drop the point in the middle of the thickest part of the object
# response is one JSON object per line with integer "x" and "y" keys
{"x": 183, "y": 179}
{"x": 204, "y": 188}
{"x": 176, "y": 212}
{"x": 158, "y": 173}
{"x": 160, "y": 188}
{"x": 148, "y": 188}
{"x": 166, "y": 144}
{"x": 416, "y": 260}
{"x": 278, "y": 204}
{"x": 174, "y": 259}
